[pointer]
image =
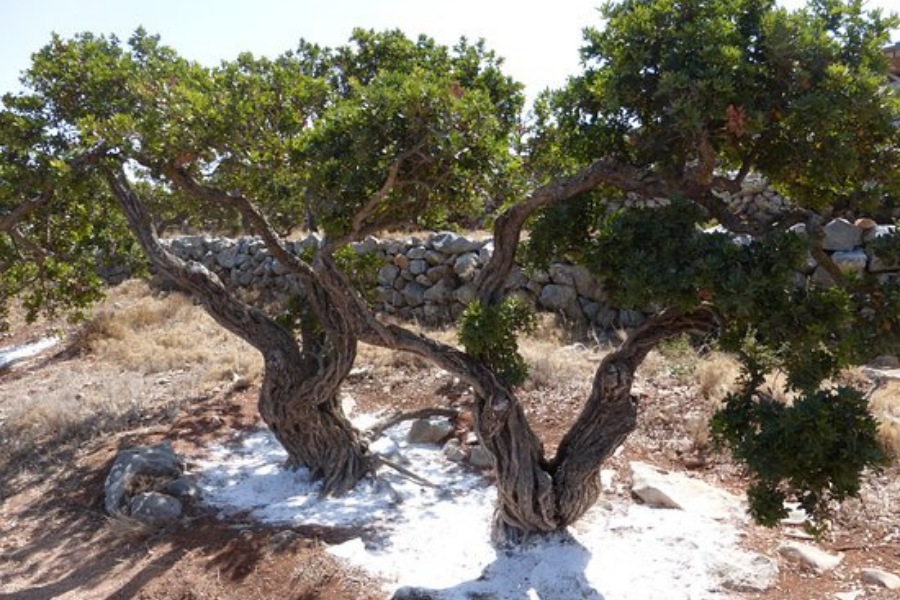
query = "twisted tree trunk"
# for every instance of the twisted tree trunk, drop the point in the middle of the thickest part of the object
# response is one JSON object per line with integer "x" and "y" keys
{"x": 299, "y": 396}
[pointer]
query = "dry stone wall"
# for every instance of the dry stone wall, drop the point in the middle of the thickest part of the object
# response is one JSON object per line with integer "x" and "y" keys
{"x": 431, "y": 277}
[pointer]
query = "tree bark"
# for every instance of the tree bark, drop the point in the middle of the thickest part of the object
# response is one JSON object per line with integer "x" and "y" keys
{"x": 299, "y": 396}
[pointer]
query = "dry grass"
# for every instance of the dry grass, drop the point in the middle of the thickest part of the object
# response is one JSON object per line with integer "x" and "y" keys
{"x": 885, "y": 405}
{"x": 141, "y": 358}
{"x": 153, "y": 334}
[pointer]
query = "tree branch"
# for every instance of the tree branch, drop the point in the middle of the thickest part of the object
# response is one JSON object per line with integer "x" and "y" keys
{"x": 21, "y": 211}
{"x": 241, "y": 319}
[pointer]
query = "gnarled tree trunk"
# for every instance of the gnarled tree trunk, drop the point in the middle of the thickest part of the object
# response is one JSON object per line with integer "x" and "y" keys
{"x": 299, "y": 396}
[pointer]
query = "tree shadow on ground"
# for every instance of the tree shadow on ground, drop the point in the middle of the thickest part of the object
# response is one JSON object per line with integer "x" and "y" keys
{"x": 550, "y": 569}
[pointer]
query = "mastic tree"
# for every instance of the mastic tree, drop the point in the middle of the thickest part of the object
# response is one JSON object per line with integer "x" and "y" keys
{"x": 680, "y": 100}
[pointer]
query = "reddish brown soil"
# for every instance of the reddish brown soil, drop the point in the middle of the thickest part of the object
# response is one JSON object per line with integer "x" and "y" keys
{"x": 56, "y": 542}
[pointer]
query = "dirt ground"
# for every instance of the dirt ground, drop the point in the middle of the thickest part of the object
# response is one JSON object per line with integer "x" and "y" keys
{"x": 56, "y": 542}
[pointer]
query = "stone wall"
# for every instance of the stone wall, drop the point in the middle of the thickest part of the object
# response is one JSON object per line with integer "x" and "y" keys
{"x": 430, "y": 277}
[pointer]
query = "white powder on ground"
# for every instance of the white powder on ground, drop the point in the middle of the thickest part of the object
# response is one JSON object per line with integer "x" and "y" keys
{"x": 438, "y": 538}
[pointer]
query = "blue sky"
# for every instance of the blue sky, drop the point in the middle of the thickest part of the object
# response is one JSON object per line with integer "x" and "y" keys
{"x": 539, "y": 40}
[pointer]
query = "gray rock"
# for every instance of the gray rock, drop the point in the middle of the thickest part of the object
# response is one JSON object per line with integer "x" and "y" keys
{"x": 451, "y": 243}
{"x": 882, "y": 578}
{"x": 439, "y": 272}
{"x": 587, "y": 285}
{"x": 562, "y": 275}
{"x": 416, "y": 253}
{"x": 466, "y": 265}
{"x": 418, "y": 266}
{"x": 841, "y": 235}
{"x": 279, "y": 268}
{"x": 434, "y": 258}
{"x": 185, "y": 487}
{"x": 481, "y": 458}
{"x": 440, "y": 293}
{"x": 558, "y": 297}
{"x": 397, "y": 299}
{"x": 486, "y": 252}
{"x": 454, "y": 451}
{"x": 414, "y": 294}
{"x": 540, "y": 276}
{"x": 818, "y": 560}
{"x": 878, "y": 231}
{"x": 851, "y": 261}
{"x": 429, "y": 431}
{"x": 661, "y": 489}
{"x": 851, "y": 595}
{"x": 516, "y": 279}
{"x": 631, "y": 318}
{"x": 745, "y": 572}
{"x": 155, "y": 509}
{"x": 136, "y": 467}
{"x": 227, "y": 258}
{"x": 465, "y": 294}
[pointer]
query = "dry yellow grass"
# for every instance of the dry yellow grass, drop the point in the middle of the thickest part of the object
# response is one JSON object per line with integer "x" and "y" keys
{"x": 885, "y": 405}
{"x": 152, "y": 334}
{"x": 142, "y": 357}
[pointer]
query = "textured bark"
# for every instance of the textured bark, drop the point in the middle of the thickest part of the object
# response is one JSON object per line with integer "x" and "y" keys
{"x": 299, "y": 395}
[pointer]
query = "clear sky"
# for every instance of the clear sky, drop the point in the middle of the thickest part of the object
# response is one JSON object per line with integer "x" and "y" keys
{"x": 539, "y": 39}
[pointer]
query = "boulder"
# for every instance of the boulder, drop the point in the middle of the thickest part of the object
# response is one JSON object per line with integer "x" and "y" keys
{"x": 418, "y": 266}
{"x": 429, "y": 431}
{"x": 481, "y": 458}
{"x": 466, "y": 265}
{"x": 465, "y": 294}
{"x": 155, "y": 509}
{"x": 814, "y": 558}
{"x": 454, "y": 451}
{"x": 745, "y": 571}
{"x": 185, "y": 487}
{"x": 387, "y": 274}
{"x": 414, "y": 294}
{"x": 440, "y": 293}
{"x": 841, "y": 235}
{"x": 559, "y": 297}
{"x": 882, "y": 578}
{"x": 136, "y": 467}
{"x": 662, "y": 489}
{"x": 451, "y": 243}
{"x": 417, "y": 253}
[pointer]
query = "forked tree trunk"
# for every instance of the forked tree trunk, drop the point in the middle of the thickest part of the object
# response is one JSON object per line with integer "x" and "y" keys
{"x": 299, "y": 396}
{"x": 536, "y": 495}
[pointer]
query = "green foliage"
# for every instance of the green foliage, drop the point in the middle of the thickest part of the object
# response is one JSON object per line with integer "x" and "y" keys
{"x": 489, "y": 334}
{"x": 799, "y": 97}
{"x": 813, "y": 450}
{"x": 314, "y": 130}
{"x": 361, "y": 269}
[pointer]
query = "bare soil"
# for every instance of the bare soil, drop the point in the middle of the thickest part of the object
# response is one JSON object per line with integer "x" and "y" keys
{"x": 56, "y": 542}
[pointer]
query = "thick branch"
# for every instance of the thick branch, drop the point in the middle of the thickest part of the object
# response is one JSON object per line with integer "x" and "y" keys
{"x": 20, "y": 212}
{"x": 239, "y": 318}
{"x": 610, "y": 413}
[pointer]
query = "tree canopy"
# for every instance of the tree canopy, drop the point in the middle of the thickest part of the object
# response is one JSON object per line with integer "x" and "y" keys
{"x": 678, "y": 99}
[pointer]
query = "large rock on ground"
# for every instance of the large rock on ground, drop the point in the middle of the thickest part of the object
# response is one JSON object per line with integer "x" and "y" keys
{"x": 745, "y": 572}
{"x": 661, "y": 489}
{"x": 134, "y": 468}
{"x": 814, "y": 558}
{"x": 155, "y": 509}
{"x": 429, "y": 431}
{"x": 882, "y": 578}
